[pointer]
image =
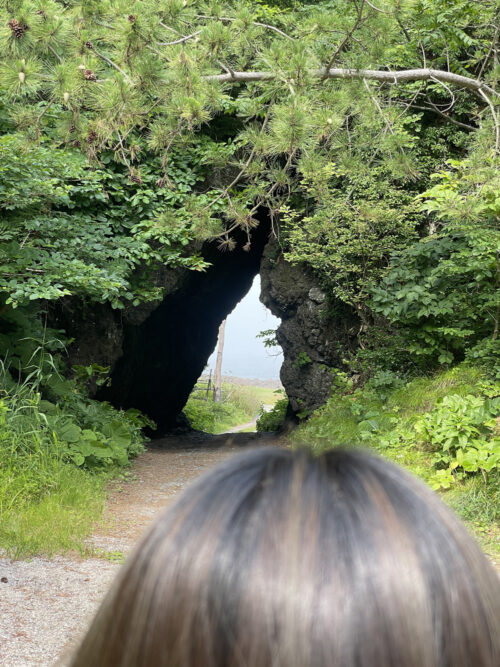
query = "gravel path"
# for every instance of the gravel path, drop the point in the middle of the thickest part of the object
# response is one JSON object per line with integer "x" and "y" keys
{"x": 45, "y": 605}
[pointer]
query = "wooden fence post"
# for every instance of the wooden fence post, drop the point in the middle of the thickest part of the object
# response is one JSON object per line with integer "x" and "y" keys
{"x": 218, "y": 365}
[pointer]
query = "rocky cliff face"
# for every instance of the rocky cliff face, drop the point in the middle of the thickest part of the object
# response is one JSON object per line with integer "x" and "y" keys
{"x": 313, "y": 335}
{"x": 157, "y": 351}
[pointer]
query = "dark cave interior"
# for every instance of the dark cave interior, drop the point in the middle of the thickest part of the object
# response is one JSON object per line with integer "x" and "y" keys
{"x": 164, "y": 356}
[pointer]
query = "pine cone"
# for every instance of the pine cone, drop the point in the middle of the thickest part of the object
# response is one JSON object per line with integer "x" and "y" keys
{"x": 132, "y": 18}
{"x": 136, "y": 179}
{"x": 89, "y": 75}
{"x": 92, "y": 136}
{"x": 17, "y": 28}
{"x": 72, "y": 128}
{"x": 76, "y": 144}
{"x": 89, "y": 45}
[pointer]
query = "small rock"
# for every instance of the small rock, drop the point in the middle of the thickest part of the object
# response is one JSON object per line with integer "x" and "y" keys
{"x": 4, "y": 580}
{"x": 316, "y": 295}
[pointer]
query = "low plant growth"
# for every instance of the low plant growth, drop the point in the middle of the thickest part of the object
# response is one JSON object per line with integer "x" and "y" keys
{"x": 444, "y": 428}
{"x": 240, "y": 404}
{"x": 273, "y": 420}
{"x": 57, "y": 449}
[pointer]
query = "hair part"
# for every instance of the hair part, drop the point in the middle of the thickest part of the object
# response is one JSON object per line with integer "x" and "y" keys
{"x": 279, "y": 559}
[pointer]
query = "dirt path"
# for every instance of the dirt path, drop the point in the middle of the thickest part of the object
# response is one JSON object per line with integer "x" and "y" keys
{"x": 249, "y": 425}
{"x": 243, "y": 427}
{"x": 45, "y": 604}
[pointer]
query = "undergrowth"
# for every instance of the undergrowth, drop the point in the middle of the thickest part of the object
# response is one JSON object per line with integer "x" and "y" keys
{"x": 443, "y": 428}
{"x": 273, "y": 420}
{"x": 239, "y": 404}
{"x": 55, "y": 457}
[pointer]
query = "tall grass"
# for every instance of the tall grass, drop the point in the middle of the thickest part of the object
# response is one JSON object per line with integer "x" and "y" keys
{"x": 47, "y": 504}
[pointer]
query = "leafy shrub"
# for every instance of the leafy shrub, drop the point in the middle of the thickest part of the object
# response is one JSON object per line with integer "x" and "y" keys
{"x": 422, "y": 425}
{"x": 442, "y": 292}
{"x": 452, "y": 416}
{"x": 239, "y": 404}
{"x": 272, "y": 420}
{"x": 212, "y": 417}
{"x": 464, "y": 432}
{"x": 55, "y": 456}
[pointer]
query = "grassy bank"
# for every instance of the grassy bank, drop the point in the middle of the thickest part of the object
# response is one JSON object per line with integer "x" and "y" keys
{"x": 55, "y": 460}
{"x": 442, "y": 428}
{"x": 240, "y": 404}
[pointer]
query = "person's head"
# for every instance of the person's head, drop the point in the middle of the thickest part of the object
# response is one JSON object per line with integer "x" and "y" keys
{"x": 279, "y": 559}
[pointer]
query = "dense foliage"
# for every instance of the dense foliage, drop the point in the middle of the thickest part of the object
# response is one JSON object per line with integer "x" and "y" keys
{"x": 164, "y": 143}
{"x": 239, "y": 404}
{"x": 133, "y": 132}
{"x": 274, "y": 419}
{"x": 444, "y": 428}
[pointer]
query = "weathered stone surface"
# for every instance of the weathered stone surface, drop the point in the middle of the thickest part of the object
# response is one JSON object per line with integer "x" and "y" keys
{"x": 314, "y": 336}
{"x": 99, "y": 330}
{"x": 157, "y": 351}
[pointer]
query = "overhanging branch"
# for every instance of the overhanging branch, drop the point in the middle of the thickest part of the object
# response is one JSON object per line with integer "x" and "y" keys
{"x": 373, "y": 75}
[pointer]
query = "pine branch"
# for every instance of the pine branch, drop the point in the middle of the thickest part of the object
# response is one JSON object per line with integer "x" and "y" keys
{"x": 373, "y": 75}
{"x": 111, "y": 63}
{"x": 345, "y": 41}
{"x": 54, "y": 52}
{"x": 181, "y": 40}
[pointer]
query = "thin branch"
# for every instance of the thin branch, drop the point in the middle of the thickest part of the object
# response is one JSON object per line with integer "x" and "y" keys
{"x": 37, "y": 122}
{"x": 436, "y": 109}
{"x": 181, "y": 40}
{"x": 452, "y": 94}
{"x": 424, "y": 57}
{"x": 495, "y": 119}
{"x": 403, "y": 28}
{"x": 345, "y": 41}
{"x": 257, "y": 23}
{"x": 105, "y": 25}
{"x": 491, "y": 50}
{"x": 111, "y": 63}
{"x": 54, "y": 52}
{"x": 381, "y": 11}
{"x": 24, "y": 240}
{"x": 167, "y": 27}
{"x": 379, "y": 108}
{"x": 154, "y": 50}
{"x": 122, "y": 150}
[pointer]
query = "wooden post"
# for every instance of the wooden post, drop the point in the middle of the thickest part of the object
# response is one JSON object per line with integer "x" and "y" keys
{"x": 218, "y": 365}
{"x": 209, "y": 385}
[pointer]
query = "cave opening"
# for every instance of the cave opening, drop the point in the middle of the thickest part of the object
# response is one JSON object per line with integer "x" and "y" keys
{"x": 164, "y": 355}
{"x": 249, "y": 351}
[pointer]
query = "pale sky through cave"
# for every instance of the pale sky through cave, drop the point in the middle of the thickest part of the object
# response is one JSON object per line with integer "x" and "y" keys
{"x": 245, "y": 355}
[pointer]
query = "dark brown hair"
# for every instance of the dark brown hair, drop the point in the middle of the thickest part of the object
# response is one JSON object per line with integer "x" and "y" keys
{"x": 279, "y": 559}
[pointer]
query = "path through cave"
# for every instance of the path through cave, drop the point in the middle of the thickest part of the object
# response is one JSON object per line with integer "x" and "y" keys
{"x": 164, "y": 355}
